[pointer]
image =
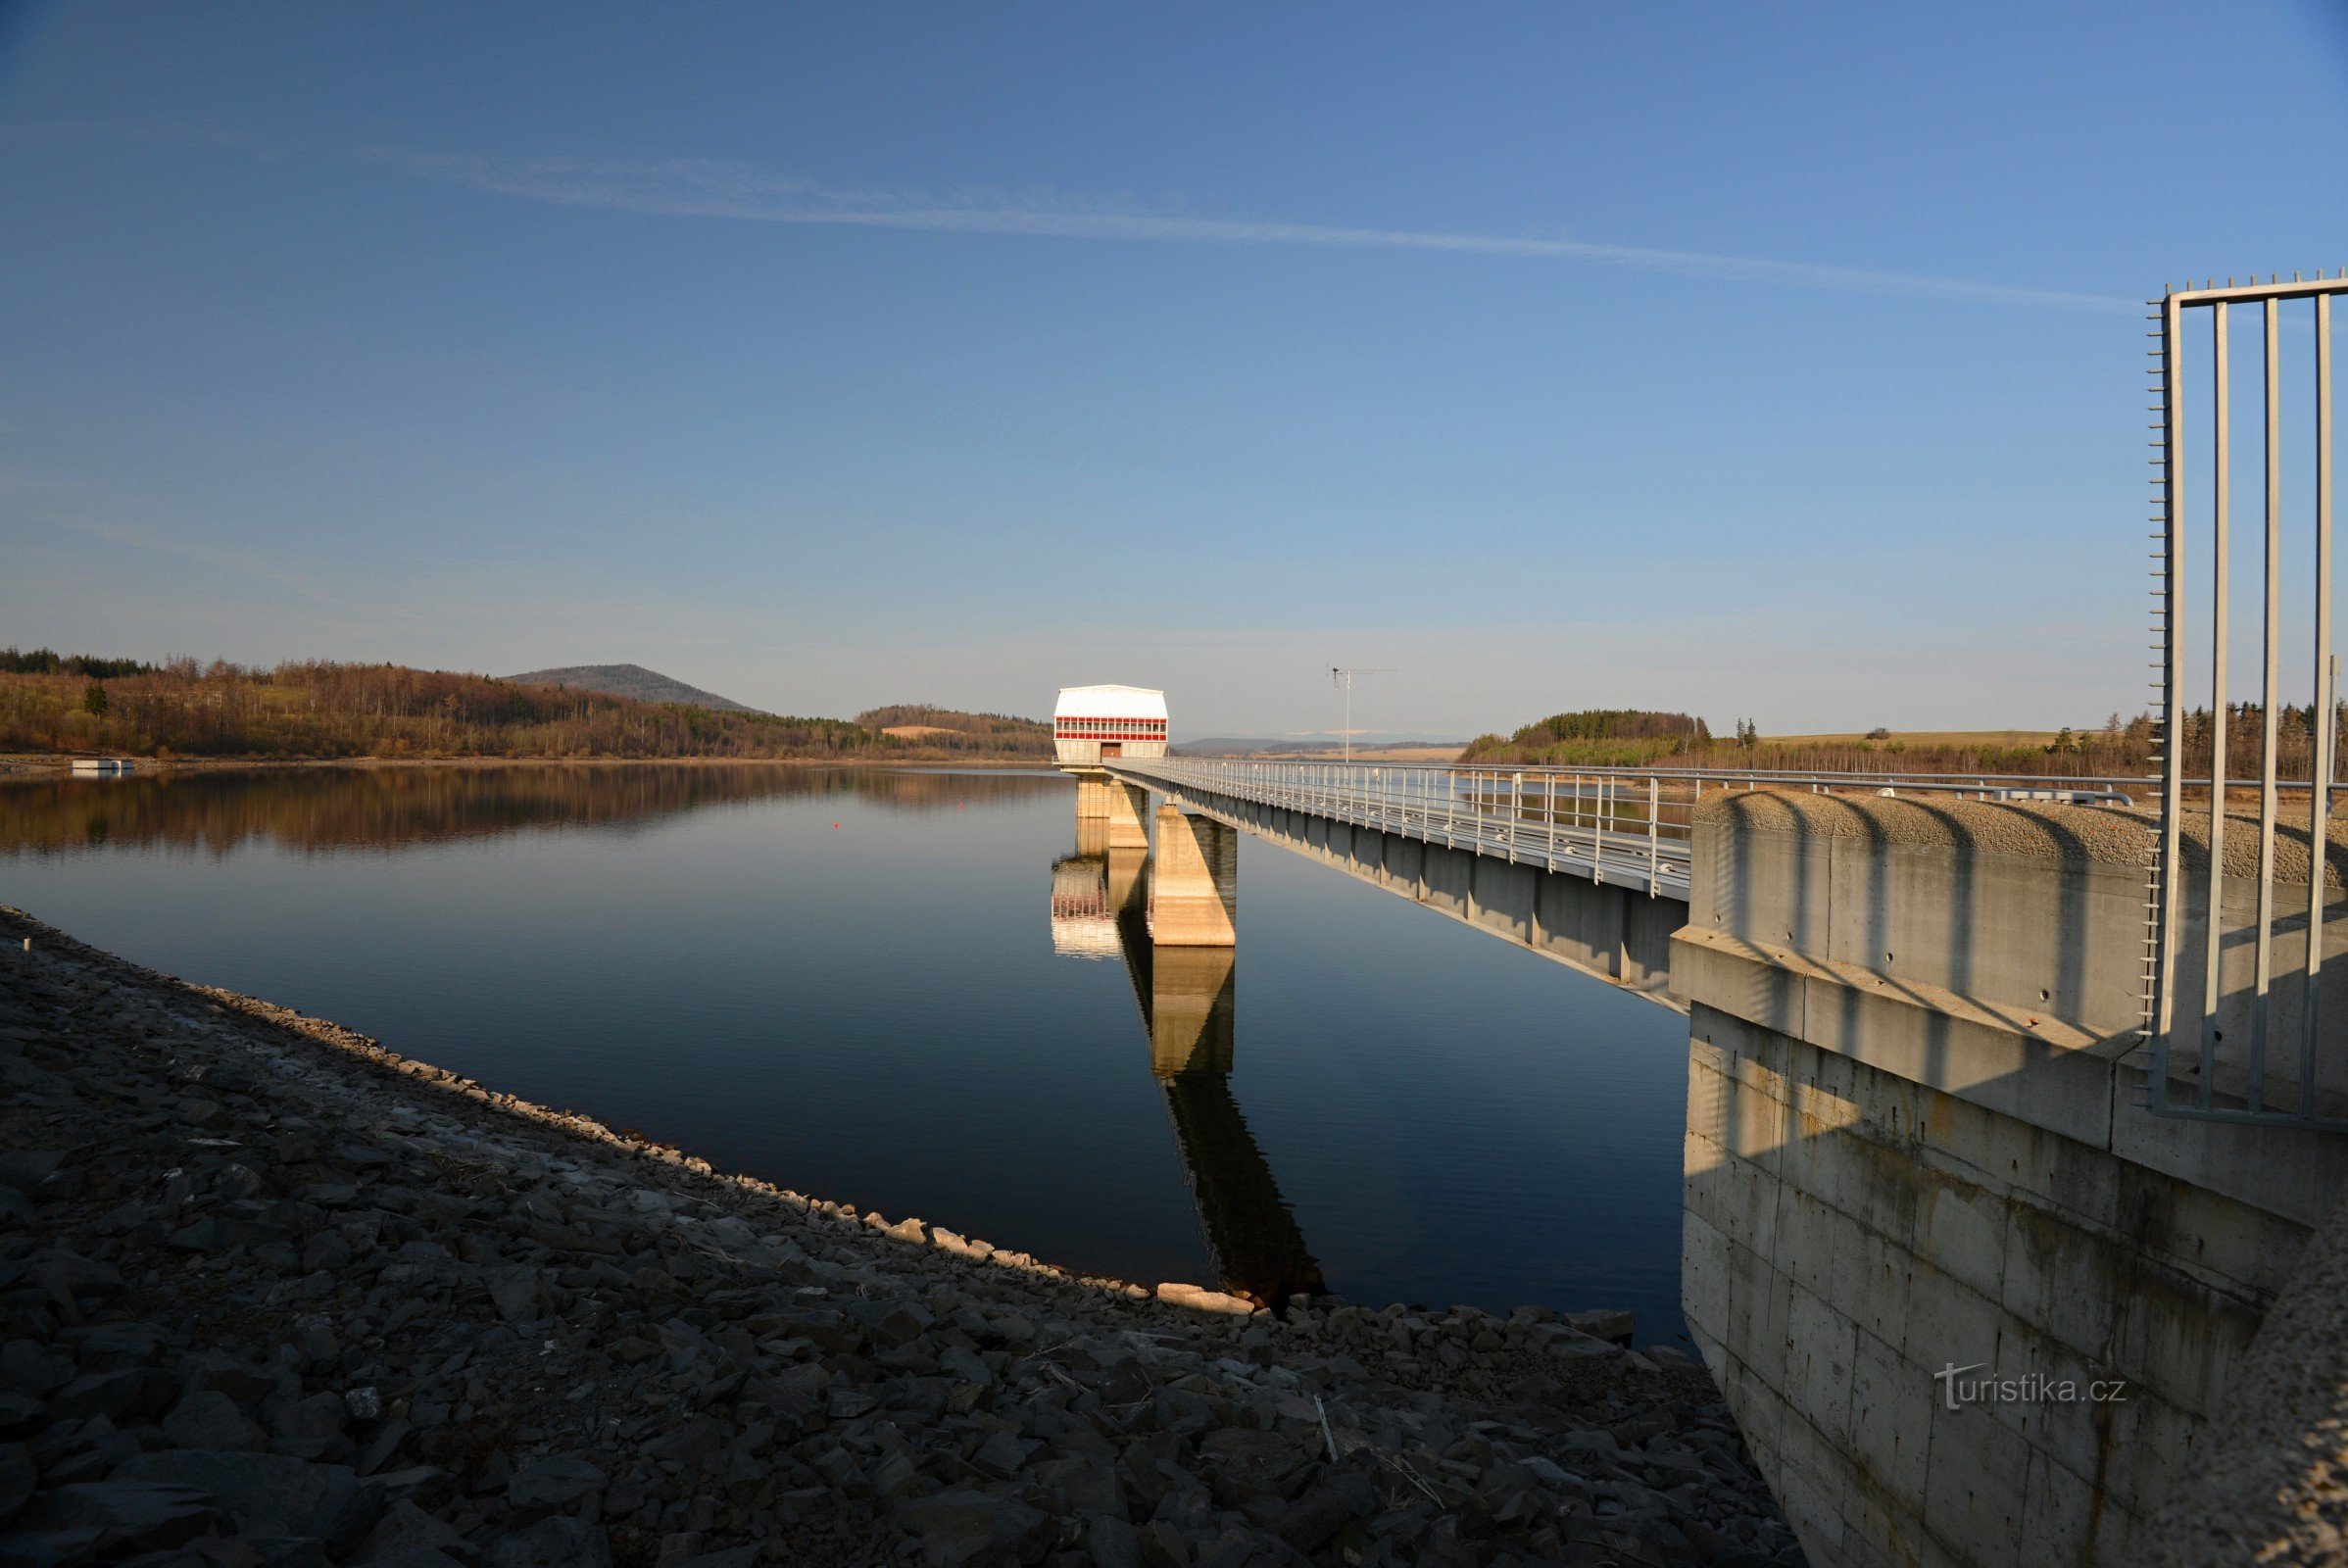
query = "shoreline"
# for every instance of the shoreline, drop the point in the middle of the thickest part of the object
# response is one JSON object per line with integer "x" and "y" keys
{"x": 46, "y": 764}
{"x": 254, "y": 1256}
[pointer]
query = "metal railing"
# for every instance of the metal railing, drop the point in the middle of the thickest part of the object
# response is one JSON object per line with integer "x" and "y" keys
{"x": 1621, "y": 825}
{"x": 2165, "y": 959}
{"x": 1610, "y": 825}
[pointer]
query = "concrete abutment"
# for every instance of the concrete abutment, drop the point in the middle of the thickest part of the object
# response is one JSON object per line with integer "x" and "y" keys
{"x": 1913, "y": 1145}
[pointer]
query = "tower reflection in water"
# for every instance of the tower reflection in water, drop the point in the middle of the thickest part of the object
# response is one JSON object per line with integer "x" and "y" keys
{"x": 1187, "y": 998}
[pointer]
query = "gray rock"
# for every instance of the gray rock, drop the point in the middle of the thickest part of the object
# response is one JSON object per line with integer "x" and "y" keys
{"x": 975, "y": 1527}
{"x": 33, "y": 1368}
{"x": 416, "y": 1557}
{"x": 1602, "y": 1325}
{"x": 966, "y": 1365}
{"x": 1113, "y": 1543}
{"x": 128, "y": 1515}
{"x": 210, "y": 1420}
{"x": 26, "y": 1168}
{"x": 1085, "y": 1486}
{"x": 554, "y": 1485}
{"x": 325, "y": 1251}
{"x": 117, "y": 1396}
{"x": 383, "y": 1444}
{"x": 1002, "y": 1454}
{"x": 20, "y": 1414}
{"x": 1249, "y": 1463}
{"x": 1325, "y": 1509}
{"x": 218, "y": 1369}
{"x": 406, "y": 1529}
{"x": 321, "y": 1416}
{"x": 560, "y": 1542}
{"x": 66, "y": 1276}
{"x": 731, "y": 1557}
{"x": 18, "y": 1478}
{"x": 515, "y": 1288}
{"x": 209, "y": 1234}
{"x": 269, "y": 1494}
{"x": 47, "y": 1549}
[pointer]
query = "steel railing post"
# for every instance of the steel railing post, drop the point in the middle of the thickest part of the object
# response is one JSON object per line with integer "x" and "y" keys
{"x": 2212, "y": 977}
{"x": 2262, "y": 955}
{"x": 2325, "y": 727}
{"x": 1654, "y": 841}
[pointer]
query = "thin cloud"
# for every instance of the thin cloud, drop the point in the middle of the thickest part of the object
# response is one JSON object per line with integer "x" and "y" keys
{"x": 705, "y": 188}
{"x": 139, "y": 539}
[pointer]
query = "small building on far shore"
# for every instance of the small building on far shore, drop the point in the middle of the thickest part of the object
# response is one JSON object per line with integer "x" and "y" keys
{"x": 1091, "y": 723}
{"x": 105, "y": 765}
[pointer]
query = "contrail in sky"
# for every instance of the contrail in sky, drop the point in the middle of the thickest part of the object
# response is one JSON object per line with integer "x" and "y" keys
{"x": 710, "y": 188}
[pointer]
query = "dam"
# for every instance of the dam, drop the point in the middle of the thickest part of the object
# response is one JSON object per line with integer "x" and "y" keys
{"x": 1922, "y": 1170}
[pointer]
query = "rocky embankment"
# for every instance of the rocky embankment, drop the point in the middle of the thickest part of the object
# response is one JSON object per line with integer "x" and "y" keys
{"x": 270, "y": 1294}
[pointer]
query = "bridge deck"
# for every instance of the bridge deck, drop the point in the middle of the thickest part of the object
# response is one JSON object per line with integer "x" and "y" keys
{"x": 1572, "y": 826}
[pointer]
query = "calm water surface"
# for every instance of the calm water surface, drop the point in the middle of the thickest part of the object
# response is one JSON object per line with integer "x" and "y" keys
{"x": 914, "y": 990}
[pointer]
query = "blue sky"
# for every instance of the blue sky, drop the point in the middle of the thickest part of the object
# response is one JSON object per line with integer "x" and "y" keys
{"x": 1770, "y": 362}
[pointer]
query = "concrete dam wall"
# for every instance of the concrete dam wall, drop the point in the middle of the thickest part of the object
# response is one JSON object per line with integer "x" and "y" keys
{"x": 1914, "y": 1146}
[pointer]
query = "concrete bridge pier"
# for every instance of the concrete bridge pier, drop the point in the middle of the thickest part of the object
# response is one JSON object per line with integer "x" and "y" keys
{"x": 1196, "y": 897}
{"x": 1128, "y": 811}
{"x": 1110, "y": 814}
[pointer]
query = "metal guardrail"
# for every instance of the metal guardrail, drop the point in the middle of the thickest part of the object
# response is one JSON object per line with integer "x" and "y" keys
{"x": 1611, "y": 825}
{"x": 2165, "y": 958}
{"x": 1619, "y": 826}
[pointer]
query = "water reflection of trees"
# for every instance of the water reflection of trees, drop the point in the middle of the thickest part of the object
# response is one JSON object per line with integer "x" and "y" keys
{"x": 314, "y": 810}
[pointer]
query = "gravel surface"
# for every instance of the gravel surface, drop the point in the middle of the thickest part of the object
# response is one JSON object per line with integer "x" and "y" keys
{"x": 271, "y": 1295}
{"x": 2268, "y": 1482}
{"x": 2081, "y": 834}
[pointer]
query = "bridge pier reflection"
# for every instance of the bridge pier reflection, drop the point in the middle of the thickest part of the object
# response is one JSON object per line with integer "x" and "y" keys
{"x": 1108, "y": 901}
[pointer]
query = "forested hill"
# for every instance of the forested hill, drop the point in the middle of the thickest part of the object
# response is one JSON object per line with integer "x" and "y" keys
{"x": 315, "y": 710}
{"x": 630, "y": 680}
{"x": 952, "y": 730}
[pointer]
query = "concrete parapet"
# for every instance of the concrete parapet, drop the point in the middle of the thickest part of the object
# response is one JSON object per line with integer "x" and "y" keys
{"x": 1194, "y": 893}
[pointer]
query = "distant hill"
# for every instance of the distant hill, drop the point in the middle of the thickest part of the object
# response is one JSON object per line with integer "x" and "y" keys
{"x": 632, "y": 681}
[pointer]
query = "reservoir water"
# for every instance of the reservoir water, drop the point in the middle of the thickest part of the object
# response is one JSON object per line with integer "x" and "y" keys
{"x": 898, "y": 989}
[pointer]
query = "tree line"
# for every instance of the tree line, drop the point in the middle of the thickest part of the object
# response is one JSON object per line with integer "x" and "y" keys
{"x": 316, "y": 709}
{"x": 993, "y": 734}
{"x": 2119, "y": 749}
